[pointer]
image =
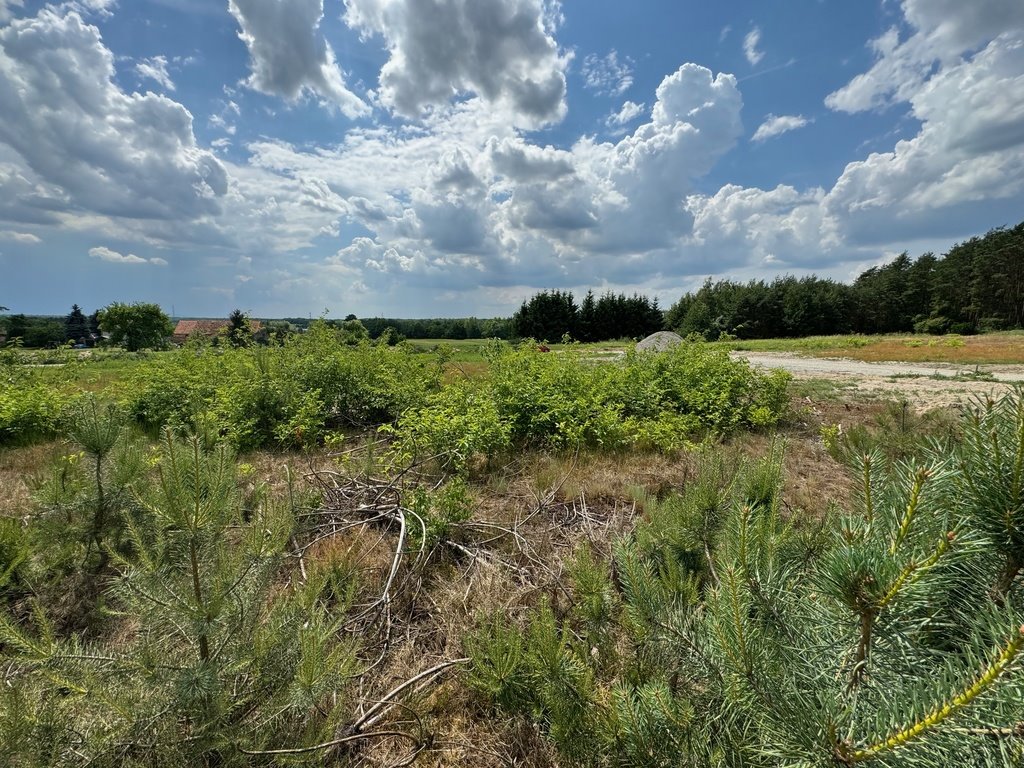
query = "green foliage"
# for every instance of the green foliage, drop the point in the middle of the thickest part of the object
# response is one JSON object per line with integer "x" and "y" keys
{"x": 76, "y": 326}
{"x": 454, "y": 328}
{"x": 136, "y": 326}
{"x": 545, "y": 673}
{"x": 551, "y": 315}
{"x": 15, "y": 551}
{"x": 898, "y": 431}
{"x": 786, "y": 307}
{"x": 440, "y": 511}
{"x": 564, "y": 401}
{"x": 218, "y": 658}
{"x": 546, "y": 316}
{"x": 720, "y": 634}
{"x": 30, "y": 409}
{"x": 83, "y": 509}
{"x": 290, "y": 395}
{"x": 992, "y": 482}
{"x": 96, "y": 429}
{"x": 38, "y": 331}
{"x": 32, "y": 399}
{"x": 239, "y": 330}
{"x": 456, "y": 424}
{"x": 977, "y": 286}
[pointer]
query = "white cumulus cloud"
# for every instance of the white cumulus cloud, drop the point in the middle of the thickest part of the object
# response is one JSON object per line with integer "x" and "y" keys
{"x": 25, "y": 238}
{"x": 469, "y": 203}
{"x": 970, "y": 149}
{"x": 776, "y": 125}
{"x": 629, "y": 112}
{"x": 289, "y": 54}
{"x": 114, "y": 257}
{"x": 501, "y": 50}
{"x": 7, "y": 5}
{"x": 83, "y": 144}
{"x": 106, "y": 254}
{"x": 943, "y": 30}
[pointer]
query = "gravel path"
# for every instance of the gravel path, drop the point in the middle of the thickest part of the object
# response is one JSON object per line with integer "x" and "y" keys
{"x": 831, "y": 365}
{"x": 926, "y": 385}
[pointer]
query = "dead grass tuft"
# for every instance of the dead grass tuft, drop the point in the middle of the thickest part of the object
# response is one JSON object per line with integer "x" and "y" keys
{"x": 969, "y": 350}
{"x": 18, "y": 469}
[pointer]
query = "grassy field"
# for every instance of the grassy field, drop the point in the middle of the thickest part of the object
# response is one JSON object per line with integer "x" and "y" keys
{"x": 508, "y": 538}
{"x": 1002, "y": 348}
{"x": 992, "y": 348}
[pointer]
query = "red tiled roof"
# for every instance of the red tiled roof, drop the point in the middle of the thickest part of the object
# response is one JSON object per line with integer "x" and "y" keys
{"x": 186, "y": 328}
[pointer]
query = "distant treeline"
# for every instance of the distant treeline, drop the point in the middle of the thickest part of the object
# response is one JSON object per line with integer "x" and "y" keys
{"x": 549, "y": 315}
{"x": 440, "y": 327}
{"x": 978, "y": 286}
{"x": 429, "y": 328}
{"x": 52, "y": 330}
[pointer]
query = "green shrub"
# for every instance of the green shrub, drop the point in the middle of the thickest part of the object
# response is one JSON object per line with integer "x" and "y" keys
{"x": 564, "y": 401}
{"x": 439, "y": 512}
{"x": 15, "y": 551}
{"x": 31, "y": 402}
{"x": 936, "y": 326}
{"x": 457, "y": 423}
{"x": 557, "y": 400}
{"x": 290, "y": 396}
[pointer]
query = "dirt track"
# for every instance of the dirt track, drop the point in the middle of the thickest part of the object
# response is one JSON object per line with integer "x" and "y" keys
{"x": 925, "y": 385}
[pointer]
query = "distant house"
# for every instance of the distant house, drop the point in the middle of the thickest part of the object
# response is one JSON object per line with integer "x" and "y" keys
{"x": 208, "y": 328}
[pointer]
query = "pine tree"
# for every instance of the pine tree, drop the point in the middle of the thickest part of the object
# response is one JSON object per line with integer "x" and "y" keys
{"x": 239, "y": 330}
{"x": 76, "y": 326}
{"x": 94, "y": 325}
{"x": 218, "y": 661}
{"x": 587, "y": 326}
{"x": 97, "y": 429}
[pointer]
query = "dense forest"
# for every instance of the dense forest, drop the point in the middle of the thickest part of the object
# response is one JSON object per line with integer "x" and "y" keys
{"x": 440, "y": 327}
{"x": 549, "y": 315}
{"x": 978, "y": 286}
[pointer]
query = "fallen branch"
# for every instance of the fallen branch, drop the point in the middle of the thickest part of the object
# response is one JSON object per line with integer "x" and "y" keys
{"x": 375, "y": 713}
{"x": 328, "y": 744}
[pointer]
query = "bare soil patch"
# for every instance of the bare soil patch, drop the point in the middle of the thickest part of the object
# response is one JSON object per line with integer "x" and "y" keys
{"x": 925, "y": 386}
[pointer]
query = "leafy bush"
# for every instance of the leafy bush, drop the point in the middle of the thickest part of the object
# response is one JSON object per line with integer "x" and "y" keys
{"x": 559, "y": 400}
{"x": 457, "y": 423}
{"x": 31, "y": 402}
{"x": 936, "y": 326}
{"x": 288, "y": 396}
{"x": 565, "y": 401}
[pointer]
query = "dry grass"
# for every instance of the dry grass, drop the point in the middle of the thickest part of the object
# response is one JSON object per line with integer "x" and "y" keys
{"x": 457, "y": 370}
{"x": 18, "y": 469}
{"x": 1002, "y": 348}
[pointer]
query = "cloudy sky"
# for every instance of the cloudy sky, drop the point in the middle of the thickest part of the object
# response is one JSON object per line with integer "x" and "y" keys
{"x": 449, "y": 157}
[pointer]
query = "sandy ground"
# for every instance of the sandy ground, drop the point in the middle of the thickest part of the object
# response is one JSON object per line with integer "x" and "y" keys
{"x": 924, "y": 385}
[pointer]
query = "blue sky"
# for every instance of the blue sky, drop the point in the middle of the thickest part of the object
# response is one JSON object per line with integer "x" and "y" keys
{"x": 417, "y": 158}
